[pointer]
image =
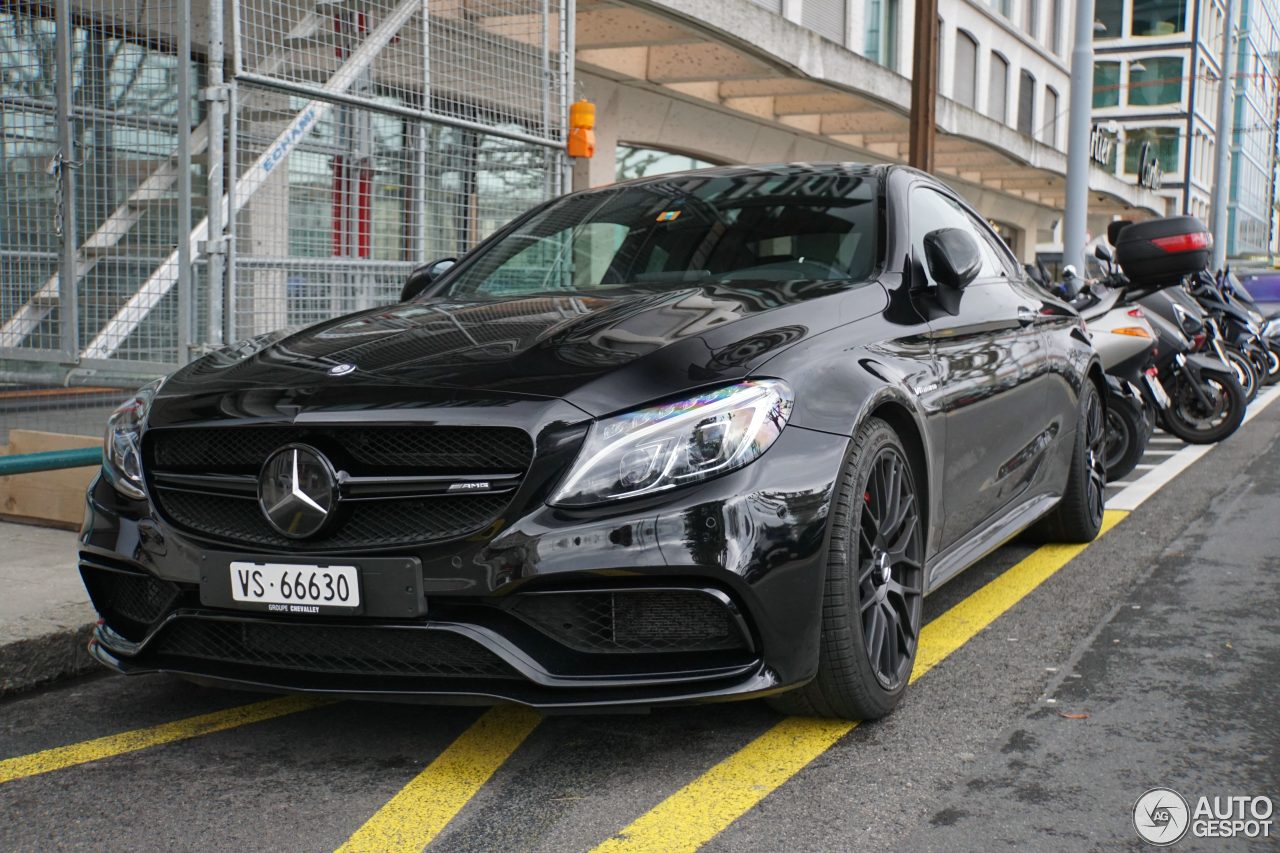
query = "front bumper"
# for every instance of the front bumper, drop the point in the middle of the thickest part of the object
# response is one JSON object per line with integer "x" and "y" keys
{"x": 745, "y": 553}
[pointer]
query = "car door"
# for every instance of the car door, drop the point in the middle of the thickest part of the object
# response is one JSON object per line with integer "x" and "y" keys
{"x": 990, "y": 358}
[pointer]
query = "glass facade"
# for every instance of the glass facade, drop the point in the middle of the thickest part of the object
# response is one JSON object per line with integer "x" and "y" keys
{"x": 1106, "y": 84}
{"x": 636, "y": 162}
{"x": 1155, "y": 80}
{"x": 1166, "y": 141}
{"x": 1159, "y": 17}
{"x": 1110, "y": 14}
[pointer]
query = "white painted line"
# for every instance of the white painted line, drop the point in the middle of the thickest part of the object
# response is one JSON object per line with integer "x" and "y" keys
{"x": 1148, "y": 484}
{"x": 1151, "y": 452}
{"x": 1146, "y": 467}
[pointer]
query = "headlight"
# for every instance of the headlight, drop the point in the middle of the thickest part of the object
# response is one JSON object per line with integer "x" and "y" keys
{"x": 121, "y": 447}
{"x": 654, "y": 449}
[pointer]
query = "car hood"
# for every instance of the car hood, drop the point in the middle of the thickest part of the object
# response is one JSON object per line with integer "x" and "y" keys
{"x": 601, "y": 352}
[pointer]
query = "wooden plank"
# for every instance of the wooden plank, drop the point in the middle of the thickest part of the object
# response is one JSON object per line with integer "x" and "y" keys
{"x": 51, "y": 497}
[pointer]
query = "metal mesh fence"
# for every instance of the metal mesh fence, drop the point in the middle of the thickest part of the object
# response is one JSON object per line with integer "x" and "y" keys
{"x": 361, "y": 137}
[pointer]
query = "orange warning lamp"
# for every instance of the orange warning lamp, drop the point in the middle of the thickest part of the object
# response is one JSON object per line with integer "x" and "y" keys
{"x": 582, "y": 129}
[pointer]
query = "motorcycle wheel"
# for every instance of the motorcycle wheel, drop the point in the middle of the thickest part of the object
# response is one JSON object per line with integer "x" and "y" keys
{"x": 1273, "y": 366}
{"x": 1126, "y": 440}
{"x": 1245, "y": 371}
{"x": 1196, "y": 423}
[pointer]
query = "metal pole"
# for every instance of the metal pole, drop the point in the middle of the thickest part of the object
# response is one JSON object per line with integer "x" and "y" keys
{"x": 924, "y": 86}
{"x": 568, "y": 63}
{"x": 68, "y": 281}
{"x": 1223, "y": 134}
{"x": 1075, "y": 219}
{"x": 184, "y": 185}
{"x": 216, "y": 96}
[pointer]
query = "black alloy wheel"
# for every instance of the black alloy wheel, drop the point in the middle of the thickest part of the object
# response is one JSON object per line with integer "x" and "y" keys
{"x": 872, "y": 605}
{"x": 1096, "y": 441}
{"x": 890, "y": 569}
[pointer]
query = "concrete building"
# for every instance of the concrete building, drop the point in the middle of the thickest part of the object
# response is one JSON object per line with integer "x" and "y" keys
{"x": 1157, "y": 84}
{"x": 743, "y": 81}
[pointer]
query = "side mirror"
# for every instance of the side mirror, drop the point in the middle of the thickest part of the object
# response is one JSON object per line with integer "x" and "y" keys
{"x": 952, "y": 256}
{"x": 1103, "y": 254}
{"x": 423, "y": 276}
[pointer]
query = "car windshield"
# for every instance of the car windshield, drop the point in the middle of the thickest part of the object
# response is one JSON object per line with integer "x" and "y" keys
{"x": 687, "y": 229}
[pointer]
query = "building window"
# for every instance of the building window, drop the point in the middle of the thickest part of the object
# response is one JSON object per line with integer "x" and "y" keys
{"x": 1004, "y": 7}
{"x": 1031, "y": 17}
{"x": 1110, "y": 14}
{"x": 825, "y": 17}
{"x": 1159, "y": 17}
{"x": 998, "y": 89}
{"x": 966, "y": 81}
{"x": 882, "y": 32}
{"x": 1164, "y": 142}
{"x": 1050, "y": 116}
{"x": 1026, "y": 103}
{"x": 1106, "y": 85}
{"x": 1155, "y": 80}
{"x": 1053, "y": 31}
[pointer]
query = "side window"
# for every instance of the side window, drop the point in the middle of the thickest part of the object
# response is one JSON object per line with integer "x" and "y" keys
{"x": 931, "y": 210}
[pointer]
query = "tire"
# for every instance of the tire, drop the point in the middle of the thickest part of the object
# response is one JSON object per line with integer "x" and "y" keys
{"x": 1126, "y": 440}
{"x": 872, "y": 604}
{"x": 1272, "y": 353}
{"x": 1186, "y": 419}
{"x": 1245, "y": 372}
{"x": 1078, "y": 516}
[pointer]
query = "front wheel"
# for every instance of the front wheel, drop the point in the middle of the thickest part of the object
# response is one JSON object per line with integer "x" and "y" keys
{"x": 872, "y": 603}
{"x": 1272, "y": 374}
{"x": 1197, "y": 421}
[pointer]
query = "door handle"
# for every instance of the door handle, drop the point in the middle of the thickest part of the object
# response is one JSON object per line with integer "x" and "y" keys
{"x": 1026, "y": 315}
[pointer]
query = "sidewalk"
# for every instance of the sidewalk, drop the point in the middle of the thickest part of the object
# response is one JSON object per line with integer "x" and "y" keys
{"x": 45, "y": 616}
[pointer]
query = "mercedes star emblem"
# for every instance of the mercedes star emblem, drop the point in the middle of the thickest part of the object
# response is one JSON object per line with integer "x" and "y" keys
{"x": 297, "y": 490}
{"x": 342, "y": 369}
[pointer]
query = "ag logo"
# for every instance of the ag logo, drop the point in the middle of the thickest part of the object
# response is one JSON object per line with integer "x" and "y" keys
{"x": 1161, "y": 816}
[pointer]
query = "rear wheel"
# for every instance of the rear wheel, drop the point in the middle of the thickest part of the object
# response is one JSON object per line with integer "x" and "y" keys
{"x": 1245, "y": 371}
{"x": 1126, "y": 439}
{"x": 1078, "y": 516}
{"x": 1273, "y": 365}
{"x": 873, "y": 599}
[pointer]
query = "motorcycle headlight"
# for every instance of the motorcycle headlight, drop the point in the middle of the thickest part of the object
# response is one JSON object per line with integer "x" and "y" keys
{"x": 122, "y": 444}
{"x": 661, "y": 447}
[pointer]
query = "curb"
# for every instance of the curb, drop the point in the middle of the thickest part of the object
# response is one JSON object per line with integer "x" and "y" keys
{"x": 34, "y": 661}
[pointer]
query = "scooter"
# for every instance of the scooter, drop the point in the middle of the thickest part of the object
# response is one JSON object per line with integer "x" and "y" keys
{"x": 1125, "y": 342}
{"x": 1196, "y": 397}
{"x": 1202, "y": 328}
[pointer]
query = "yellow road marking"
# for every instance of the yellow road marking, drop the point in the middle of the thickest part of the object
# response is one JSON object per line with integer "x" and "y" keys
{"x": 699, "y": 811}
{"x": 424, "y": 807}
{"x": 60, "y": 757}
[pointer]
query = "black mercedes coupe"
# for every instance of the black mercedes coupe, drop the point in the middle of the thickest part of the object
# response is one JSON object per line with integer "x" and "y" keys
{"x": 700, "y": 436}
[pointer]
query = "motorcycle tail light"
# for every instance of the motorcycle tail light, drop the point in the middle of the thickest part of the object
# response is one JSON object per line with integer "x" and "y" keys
{"x": 1135, "y": 312}
{"x": 1182, "y": 242}
{"x": 1198, "y": 340}
{"x": 1153, "y": 372}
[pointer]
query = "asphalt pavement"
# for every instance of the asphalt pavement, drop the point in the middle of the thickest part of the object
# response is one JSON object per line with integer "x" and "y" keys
{"x": 1062, "y": 684}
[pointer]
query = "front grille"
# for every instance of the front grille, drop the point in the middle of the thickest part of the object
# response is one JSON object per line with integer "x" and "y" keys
{"x": 369, "y": 524}
{"x": 130, "y": 602}
{"x": 633, "y": 620}
{"x": 420, "y": 450}
{"x": 386, "y": 521}
{"x": 338, "y": 650}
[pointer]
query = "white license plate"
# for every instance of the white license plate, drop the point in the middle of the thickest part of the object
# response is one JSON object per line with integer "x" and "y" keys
{"x": 1157, "y": 390}
{"x": 288, "y": 584}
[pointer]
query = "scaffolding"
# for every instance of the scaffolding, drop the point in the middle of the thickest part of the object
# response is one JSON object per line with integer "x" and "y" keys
{"x": 176, "y": 176}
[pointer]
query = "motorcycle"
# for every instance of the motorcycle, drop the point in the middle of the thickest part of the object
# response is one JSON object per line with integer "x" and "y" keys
{"x": 1204, "y": 331}
{"x": 1125, "y": 342}
{"x": 1196, "y": 396}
